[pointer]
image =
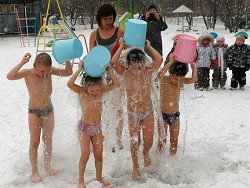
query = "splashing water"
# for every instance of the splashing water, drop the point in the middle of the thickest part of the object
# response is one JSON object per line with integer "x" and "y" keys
{"x": 117, "y": 100}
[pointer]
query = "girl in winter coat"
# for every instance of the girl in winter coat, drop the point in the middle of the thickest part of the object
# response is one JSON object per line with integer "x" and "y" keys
{"x": 219, "y": 76}
{"x": 205, "y": 55}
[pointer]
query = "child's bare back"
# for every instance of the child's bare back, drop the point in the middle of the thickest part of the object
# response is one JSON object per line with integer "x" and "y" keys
{"x": 170, "y": 92}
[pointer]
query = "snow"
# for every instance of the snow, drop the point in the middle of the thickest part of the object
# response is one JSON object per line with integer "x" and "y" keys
{"x": 214, "y": 137}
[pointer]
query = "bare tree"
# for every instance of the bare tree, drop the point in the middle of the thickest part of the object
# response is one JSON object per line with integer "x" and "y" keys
{"x": 232, "y": 11}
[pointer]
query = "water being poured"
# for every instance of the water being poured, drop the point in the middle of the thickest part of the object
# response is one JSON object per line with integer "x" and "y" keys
{"x": 135, "y": 87}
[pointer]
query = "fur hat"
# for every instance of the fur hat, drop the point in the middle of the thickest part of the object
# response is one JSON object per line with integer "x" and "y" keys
{"x": 152, "y": 6}
{"x": 220, "y": 38}
{"x": 206, "y": 36}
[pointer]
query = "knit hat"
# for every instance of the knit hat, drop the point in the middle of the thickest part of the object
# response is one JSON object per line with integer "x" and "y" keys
{"x": 220, "y": 38}
{"x": 152, "y": 6}
{"x": 215, "y": 35}
{"x": 242, "y": 33}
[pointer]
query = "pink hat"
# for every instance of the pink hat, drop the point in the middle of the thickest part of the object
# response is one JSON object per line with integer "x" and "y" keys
{"x": 220, "y": 38}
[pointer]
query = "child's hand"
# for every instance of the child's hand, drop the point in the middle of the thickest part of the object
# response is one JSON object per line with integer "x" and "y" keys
{"x": 121, "y": 41}
{"x": 147, "y": 43}
{"x": 171, "y": 58}
{"x": 109, "y": 69}
{"x": 80, "y": 65}
{"x": 193, "y": 65}
{"x": 26, "y": 58}
{"x": 160, "y": 75}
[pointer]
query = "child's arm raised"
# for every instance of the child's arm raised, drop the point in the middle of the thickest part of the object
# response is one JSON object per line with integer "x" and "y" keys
{"x": 166, "y": 67}
{"x": 157, "y": 58}
{"x": 67, "y": 71}
{"x": 71, "y": 83}
{"x": 15, "y": 73}
{"x": 115, "y": 82}
{"x": 114, "y": 61}
{"x": 194, "y": 75}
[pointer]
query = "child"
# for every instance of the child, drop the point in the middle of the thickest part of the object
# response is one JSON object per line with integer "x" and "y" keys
{"x": 41, "y": 115}
{"x": 169, "y": 95}
{"x": 91, "y": 92}
{"x": 219, "y": 74}
{"x": 239, "y": 62}
{"x": 205, "y": 54}
{"x": 175, "y": 39}
{"x": 137, "y": 77}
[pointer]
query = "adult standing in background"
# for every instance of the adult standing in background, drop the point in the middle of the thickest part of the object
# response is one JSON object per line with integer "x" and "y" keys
{"x": 107, "y": 34}
{"x": 155, "y": 25}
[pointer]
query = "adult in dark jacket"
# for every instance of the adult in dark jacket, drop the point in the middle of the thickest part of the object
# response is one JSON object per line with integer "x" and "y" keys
{"x": 155, "y": 25}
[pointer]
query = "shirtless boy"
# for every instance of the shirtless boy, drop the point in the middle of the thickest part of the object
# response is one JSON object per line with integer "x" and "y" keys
{"x": 41, "y": 115}
{"x": 140, "y": 108}
{"x": 169, "y": 94}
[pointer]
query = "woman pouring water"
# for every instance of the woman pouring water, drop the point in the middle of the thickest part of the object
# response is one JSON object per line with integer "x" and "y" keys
{"x": 107, "y": 34}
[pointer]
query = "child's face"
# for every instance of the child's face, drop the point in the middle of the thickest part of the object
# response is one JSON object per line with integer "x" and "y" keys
{"x": 205, "y": 41}
{"x": 239, "y": 42}
{"x": 220, "y": 43}
{"x": 94, "y": 90}
{"x": 42, "y": 70}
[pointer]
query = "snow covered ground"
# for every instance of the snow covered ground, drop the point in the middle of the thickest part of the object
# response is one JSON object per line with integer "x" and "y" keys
{"x": 214, "y": 138}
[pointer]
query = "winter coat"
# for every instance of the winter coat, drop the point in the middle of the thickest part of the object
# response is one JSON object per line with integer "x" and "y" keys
{"x": 225, "y": 54}
{"x": 204, "y": 56}
{"x": 239, "y": 56}
{"x": 154, "y": 29}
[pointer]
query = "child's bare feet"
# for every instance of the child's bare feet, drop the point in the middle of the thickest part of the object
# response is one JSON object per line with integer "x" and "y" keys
{"x": 105, "y": 183}
{"x": 82, "y": 185}
{"x": 35, "y": 178}
{"x": 51, "y": 171}
{"x": 159, "y": 146}
{"x": 136, "y": 175}
{"x": 119, "y": 143}
{"x": 147, "y": 160}
{"x": 173, "y": 150}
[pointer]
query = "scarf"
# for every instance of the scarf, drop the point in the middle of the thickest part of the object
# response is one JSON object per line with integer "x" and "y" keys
{"x": 221, "y": 61}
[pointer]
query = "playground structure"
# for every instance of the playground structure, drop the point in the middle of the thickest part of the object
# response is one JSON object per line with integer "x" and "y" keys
{"x": 127, "y": 15}
{"x": 49, "y": 33}
{"x": 27, "y": 27}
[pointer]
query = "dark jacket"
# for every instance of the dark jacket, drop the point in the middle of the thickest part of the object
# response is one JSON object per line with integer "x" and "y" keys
{"x": 239, "y": 56}
{"x": 154, "y": 29}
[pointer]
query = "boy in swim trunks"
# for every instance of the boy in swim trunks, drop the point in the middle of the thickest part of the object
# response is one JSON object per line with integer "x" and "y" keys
{"x": 90, "y": 93}
{"x": 169, "y": 97}
{"x": 137, "y": 77}
{"x": 41, "y": 116}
